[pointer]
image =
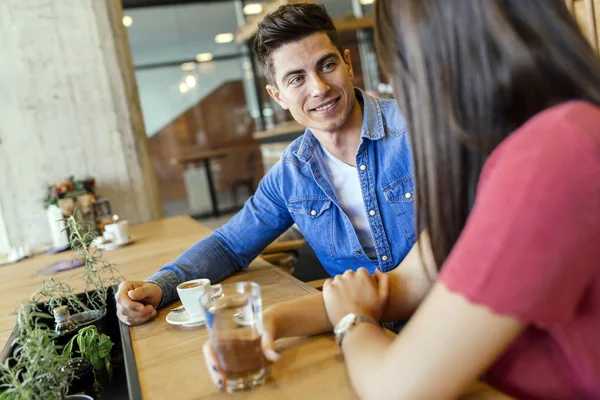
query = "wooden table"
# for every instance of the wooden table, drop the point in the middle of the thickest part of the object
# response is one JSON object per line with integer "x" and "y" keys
{"x": 169, "y": 359}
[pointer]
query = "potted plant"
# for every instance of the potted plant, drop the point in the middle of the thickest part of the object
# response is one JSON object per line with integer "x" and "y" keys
{"x": 40, "y": 367}
{"x": 97, "y": 274}
{"x": 71, "y": 187}
{"x": 34, "y": 370}
{"x": 71, "y": 197}
{"x": 37, "y": 369}
{"x": 94, "y": 347}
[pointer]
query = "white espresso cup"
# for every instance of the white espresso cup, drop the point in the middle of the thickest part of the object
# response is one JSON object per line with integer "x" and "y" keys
{"x": 190, "y": 293}
{"x": 117, "y": 232}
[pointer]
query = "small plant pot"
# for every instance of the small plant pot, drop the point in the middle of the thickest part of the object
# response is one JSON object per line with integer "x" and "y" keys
{"x": 78, "y": 397}
{"x": 83, "y": 319}
{"x": 93, "y": 317}
{"x": 83, "y": 375}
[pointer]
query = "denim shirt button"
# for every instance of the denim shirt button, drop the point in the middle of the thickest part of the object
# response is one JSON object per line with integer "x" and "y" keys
{"x": 384, "y": 258}
{"x": 372, "y": 213}
{"x": 363, "y": 167}
{"x": 313, "y": 213}
{"x": 358, "y": 252}
{"x": 408, "y": 195}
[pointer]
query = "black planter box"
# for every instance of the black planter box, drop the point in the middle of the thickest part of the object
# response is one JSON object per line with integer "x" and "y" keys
{"x": 125, "y": 384}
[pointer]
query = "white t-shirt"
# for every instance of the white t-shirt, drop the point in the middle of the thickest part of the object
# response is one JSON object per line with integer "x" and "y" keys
{"x": 347, "y": 186}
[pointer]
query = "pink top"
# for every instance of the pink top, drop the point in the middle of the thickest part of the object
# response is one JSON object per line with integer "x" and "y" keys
{"x": 531, "y": 250}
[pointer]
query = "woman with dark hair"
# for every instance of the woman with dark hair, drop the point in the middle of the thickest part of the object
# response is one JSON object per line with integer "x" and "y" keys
{"x": 502, "y": 99}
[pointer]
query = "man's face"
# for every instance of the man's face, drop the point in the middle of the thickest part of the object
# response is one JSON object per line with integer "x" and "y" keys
{"x": 314, "y": 82}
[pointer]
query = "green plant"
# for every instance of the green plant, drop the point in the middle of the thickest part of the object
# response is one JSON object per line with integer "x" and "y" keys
{"x": 70, "y": 186}
{"x": 95, "y": 347}
{"x": 97, "y": 275}
{"x": 55, "y": 293}
{"x": 34, "y": 370}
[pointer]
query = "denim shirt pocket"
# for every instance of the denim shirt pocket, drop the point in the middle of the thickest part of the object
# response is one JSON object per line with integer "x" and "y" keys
{"x": 314, "y": 217}
{"x": 400, "y": 195}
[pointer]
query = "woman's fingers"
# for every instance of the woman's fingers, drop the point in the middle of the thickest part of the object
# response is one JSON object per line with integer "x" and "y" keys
{"x": 268, "y": 347}
{"x": 212, "y": 363}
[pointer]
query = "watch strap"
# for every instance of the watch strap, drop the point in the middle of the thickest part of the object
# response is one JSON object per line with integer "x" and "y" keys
{"x": 357, "y": 320}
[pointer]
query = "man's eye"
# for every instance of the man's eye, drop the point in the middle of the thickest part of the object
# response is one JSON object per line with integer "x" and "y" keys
{"x": 328, "y": 66}
{"x": 296, "y": 80}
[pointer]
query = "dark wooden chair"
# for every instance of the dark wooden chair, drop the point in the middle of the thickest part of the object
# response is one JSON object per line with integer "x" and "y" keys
{"x": 248, "y": 180}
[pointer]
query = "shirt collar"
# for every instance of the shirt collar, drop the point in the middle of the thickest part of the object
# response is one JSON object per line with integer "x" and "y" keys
{"x": 372, "y": 127}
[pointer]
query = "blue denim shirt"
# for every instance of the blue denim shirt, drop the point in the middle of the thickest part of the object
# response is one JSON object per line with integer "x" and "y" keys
{"x": 298, "y": 190}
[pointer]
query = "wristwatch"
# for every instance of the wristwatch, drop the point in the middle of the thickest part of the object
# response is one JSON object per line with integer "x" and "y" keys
{"x": 348, "y": 322}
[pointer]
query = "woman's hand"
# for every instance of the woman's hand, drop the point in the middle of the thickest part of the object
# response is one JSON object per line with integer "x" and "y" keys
{"x": 268, "y": 347}
{"x": 356, "y": 292}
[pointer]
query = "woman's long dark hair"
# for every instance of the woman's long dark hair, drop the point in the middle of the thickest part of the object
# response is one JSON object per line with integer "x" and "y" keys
{"x": 467, "y": 73}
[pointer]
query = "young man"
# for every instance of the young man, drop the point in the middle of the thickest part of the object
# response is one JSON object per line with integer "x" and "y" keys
{"x": 347, "y": 182}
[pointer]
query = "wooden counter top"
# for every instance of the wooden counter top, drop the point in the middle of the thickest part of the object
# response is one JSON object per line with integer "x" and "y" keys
{"x": 281, "y": 129}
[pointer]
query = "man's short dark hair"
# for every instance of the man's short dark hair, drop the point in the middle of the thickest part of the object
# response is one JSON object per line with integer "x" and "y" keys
{"x": 288, "y": 24}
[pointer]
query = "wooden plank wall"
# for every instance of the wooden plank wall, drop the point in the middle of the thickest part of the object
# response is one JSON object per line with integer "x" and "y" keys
{"x": 69, "y": 107}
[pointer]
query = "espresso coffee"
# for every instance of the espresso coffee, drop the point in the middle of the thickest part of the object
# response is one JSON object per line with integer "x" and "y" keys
{"x": 239, "y": 356}
{"x": 189, "y": 285}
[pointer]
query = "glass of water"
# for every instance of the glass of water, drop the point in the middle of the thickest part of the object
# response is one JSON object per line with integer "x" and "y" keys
{"x": 234, "y": 319}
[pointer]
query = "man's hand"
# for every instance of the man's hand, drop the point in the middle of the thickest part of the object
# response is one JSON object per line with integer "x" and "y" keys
{"x": 356, "y": 292}
{"x": 268, "y": 347}
{"x": 137, "y": 301}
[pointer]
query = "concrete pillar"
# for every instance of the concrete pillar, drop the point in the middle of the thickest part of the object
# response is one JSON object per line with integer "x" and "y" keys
{"x": 69, "y": 106}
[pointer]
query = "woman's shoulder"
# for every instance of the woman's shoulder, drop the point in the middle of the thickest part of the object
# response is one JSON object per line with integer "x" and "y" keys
{"x": 566, "y": 135}
{"x": 577, "y": 121}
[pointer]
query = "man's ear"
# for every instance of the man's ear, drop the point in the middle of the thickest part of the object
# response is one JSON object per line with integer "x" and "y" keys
{"x": 276, "y": 95}
{"x": 348, "y": 62}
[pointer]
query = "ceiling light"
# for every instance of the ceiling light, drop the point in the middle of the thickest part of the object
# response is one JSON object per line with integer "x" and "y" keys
{"x": 190, "y": 81}
{"x": 127, "y": 21}
{"x": 365, "y": 2}
{"x": 224, "y": 38}
{"x": 204, "y": 57}
{"x": 188, "y": 66}
{"x": 253, "y": 9}
{"x": 183, "y": 88}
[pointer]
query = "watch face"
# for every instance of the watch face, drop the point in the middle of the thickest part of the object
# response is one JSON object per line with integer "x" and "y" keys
{"x": 344, "y": 323}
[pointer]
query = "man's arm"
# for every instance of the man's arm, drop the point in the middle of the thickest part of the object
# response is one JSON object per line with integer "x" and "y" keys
{"x": 230, "y": 248}
{"x": 411, "y": 280}
{"x": 209, "y": 258}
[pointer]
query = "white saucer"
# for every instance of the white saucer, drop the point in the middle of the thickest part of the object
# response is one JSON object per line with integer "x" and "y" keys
{"x": 182, "y": 318}
{"x": 101, "y": 244}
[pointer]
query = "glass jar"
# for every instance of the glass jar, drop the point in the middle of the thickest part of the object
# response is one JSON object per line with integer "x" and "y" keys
{"x": 63, "y": 320}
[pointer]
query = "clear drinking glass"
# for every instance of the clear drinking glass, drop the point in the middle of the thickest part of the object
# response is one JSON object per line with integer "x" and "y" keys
{"x": 234, "y": 320}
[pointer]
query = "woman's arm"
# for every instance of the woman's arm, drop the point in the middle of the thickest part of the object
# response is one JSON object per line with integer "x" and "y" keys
{"x": 445, "y": 347}
{"x": 305, "y": 316}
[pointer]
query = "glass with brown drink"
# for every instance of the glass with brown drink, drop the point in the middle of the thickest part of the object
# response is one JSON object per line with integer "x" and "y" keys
{"x": 234, "y": 319}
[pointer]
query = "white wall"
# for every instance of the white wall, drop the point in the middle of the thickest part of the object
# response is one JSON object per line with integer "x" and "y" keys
{"x": 69, "y": 107}
{"x": 159, "y": 90}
